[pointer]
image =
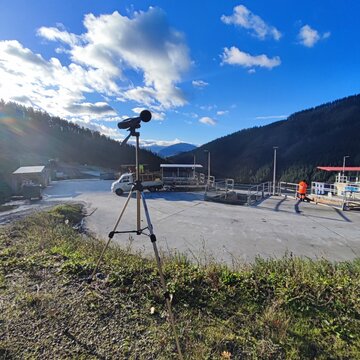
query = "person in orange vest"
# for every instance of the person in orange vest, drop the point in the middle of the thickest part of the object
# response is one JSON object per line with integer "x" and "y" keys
{"x": 302, "y": 187}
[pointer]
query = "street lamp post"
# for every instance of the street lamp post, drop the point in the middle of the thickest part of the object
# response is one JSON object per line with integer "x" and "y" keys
{"x": 208, "y": 180}
{"x": 274, "y": 175}
{"x": 343, "y": 172}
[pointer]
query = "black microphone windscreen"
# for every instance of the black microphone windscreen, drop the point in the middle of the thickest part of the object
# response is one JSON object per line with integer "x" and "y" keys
{"x": 145, "y": 115}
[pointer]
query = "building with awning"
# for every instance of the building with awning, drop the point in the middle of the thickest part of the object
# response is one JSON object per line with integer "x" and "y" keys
{"x": 340, "y": 168}
{"x": 352, "y": 173}
{"x": 344, "y": 192}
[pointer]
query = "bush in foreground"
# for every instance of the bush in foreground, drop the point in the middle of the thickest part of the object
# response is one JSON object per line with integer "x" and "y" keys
{"x": 273, "y": 309}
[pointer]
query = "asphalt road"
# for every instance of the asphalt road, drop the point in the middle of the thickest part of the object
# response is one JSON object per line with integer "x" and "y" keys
{"x": 205, "y": 231}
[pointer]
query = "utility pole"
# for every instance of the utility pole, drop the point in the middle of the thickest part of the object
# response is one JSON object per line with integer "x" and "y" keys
{"x": 343, "y": 172}
{"x": 274, "y": 176}
{"x": 208, "y": 180}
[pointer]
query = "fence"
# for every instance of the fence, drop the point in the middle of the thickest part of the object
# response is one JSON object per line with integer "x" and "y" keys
{"x": 226, "y": 191}
{"x": 286, "y": 188}
{"x": 258, "y": 192}
{"x": 346, "y": 195}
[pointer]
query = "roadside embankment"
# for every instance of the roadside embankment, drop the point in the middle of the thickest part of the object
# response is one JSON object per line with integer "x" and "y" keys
{"x": 272, "y": 309}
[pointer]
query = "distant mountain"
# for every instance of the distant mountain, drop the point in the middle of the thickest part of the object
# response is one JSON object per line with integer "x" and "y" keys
{"x": 171, "y": 150}
{"x": 154, "y": 148}
{"x": 318, "y": 136}
{"x": 176, "y": 149}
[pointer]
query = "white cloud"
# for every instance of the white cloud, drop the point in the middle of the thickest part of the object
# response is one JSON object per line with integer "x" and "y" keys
{"x": 192, "y": 115}
{"x": 208, "y": 107}
{"x": 55, "y": 34}
{"x": 309, "y": 37}
{"x": 208, "y": 121}
{"x": 222, "y": 112}
{"x": 271, "y": 117}
{"x": 234, "y": 56}
{"x": 100, "y": 59}
{"x": 144, "y": 43}
{"x": 243, "y": 17}
{"x": 199, "y": 83}
{"x": 150, "y": 142}
{"x": 29, "y": 78}
{"x": 99, "y": 108}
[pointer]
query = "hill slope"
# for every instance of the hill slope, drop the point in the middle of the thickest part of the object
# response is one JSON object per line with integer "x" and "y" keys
{"x": 313, "y": 137}
{"x": 30, "y": 137}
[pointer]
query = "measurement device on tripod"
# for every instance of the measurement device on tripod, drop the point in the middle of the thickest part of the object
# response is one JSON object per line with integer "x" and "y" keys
{"x": 132, "y": 124}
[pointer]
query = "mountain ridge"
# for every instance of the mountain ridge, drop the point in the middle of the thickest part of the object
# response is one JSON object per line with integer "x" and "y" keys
{"x": 321, "y": 135}
{"x": 175, "y": 149}
{"x": 32, "y": 137}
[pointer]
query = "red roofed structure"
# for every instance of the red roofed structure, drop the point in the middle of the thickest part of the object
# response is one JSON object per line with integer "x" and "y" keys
{"x": 339, "y": 168}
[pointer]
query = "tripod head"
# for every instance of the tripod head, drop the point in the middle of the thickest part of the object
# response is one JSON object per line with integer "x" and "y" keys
{"x": 131, "y": 124}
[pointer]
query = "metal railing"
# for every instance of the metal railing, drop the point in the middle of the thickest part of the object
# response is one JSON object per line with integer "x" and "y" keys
{"x": 196, "y": 179}
{"x": 318, "y": 188}
{"x": 347, "y": 179}
{"x": 226, "y": 191}
{"x": 258, "y": 192}
{"x": 351, "y": 197}
{"x": 345, "y": 195}
{"x": 287, "y": 188}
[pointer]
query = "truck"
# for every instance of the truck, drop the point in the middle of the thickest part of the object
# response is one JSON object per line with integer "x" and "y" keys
{"x": 127, "y": 180}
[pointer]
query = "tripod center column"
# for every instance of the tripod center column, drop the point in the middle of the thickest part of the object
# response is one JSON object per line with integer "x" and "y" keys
{"x": 138, "y": 196}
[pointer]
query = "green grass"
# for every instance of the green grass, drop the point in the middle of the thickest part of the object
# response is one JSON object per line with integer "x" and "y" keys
{"x": 289, "y": 308}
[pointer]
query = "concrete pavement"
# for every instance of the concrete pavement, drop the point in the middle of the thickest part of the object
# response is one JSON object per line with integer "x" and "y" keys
{"x": 207, "y": 231}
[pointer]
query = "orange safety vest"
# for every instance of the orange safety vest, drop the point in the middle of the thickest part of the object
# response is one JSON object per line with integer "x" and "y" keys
{"x": 302, "y": 187}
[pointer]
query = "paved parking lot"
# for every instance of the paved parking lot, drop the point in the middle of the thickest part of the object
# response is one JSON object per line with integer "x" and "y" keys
{"x": 184, "y": 223}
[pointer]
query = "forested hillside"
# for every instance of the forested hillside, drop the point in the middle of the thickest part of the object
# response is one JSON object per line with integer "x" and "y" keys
{"x": 31, "y": 137}
{"x": 307, "y": 139}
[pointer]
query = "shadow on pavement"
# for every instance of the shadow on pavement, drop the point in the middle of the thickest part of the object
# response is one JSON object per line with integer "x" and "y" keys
{"x": 296, "y": 207}
{"x": 277, "y": 207}
{"x": 341, "y": 214}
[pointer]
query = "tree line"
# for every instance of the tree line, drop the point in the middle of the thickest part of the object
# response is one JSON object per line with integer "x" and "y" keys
{"x": 33, "y": 137}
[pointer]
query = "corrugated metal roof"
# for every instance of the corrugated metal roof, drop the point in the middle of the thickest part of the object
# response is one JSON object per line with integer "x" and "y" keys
{"x": 189, "y": 166}
{"x": 339, "y": 168}
{"x": 29, "y": 170}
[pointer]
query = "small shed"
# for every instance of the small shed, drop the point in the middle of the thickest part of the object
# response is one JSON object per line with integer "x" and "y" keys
{"x": 181, "y": 173}
{"x": 38, "y": 175}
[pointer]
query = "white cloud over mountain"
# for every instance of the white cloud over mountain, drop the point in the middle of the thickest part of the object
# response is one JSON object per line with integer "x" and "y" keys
{"x": 243, "y": 17}
{"x": 101, "y": 61}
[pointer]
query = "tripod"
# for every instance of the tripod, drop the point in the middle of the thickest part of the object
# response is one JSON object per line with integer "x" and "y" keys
{"x": 138, "y": 188}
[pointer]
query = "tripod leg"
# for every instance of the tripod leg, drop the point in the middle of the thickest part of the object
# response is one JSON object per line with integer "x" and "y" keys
{"x": 162, "y": 278}
{"x": 111, "y": 235}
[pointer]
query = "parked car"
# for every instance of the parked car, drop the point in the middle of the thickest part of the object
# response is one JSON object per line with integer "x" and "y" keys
{"x": 126, "y": 182}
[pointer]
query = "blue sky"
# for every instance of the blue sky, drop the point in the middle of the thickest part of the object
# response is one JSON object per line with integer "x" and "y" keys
{"x": 204, "y": 69}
